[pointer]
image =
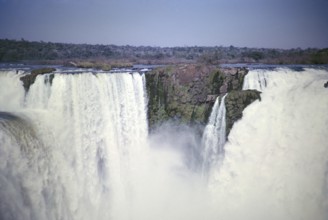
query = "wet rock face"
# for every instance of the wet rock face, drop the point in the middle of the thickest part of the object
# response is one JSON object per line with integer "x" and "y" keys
{"x": 188, "y": 92}
{"x": 178, "y": 92}
{"x": 29, "y": 79}
{"x": 325, "y": 85}
{"x": 236, "y": 102}
{"x": 228, "y": 79}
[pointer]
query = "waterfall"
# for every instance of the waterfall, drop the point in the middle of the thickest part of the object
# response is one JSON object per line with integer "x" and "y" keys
{"x": 29, "y": 186}
{"x": 90, "y": 132}
{"x": 256, "y": 80}
{"x": 77, "y": 147}
{"x": 275, "y": 164}
{"x": 214, "y": 136}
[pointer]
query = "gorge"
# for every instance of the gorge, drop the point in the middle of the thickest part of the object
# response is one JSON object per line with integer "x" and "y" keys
{"x": 83, "y": 144}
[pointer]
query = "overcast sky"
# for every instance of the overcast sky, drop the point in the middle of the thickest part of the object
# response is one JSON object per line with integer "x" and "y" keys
{"x": 249, "y": 23}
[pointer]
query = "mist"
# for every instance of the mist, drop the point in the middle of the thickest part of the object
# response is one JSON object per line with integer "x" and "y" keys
{"x": 79, "y": 148}
{"x": 172, "y": 186}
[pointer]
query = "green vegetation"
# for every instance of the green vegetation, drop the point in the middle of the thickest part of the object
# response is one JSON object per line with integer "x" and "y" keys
{"x": 187, "y": 93}
{"x": 174, "y": 93}
{"x": 60, "y": 53}
{"x": 104, "y": 65}
{"x": 42, "y": 71}
{"x": 320, "y": 57}
{"x": 236, "y": 102}
{"x": 216, "y": 79}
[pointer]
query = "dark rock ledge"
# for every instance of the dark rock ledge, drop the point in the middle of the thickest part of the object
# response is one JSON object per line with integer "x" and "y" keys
{"x": 235, "y": 103}
{"x": 29, "y": 79}
{"x": 325, "y": 85}
{"x": 187, "y": 93}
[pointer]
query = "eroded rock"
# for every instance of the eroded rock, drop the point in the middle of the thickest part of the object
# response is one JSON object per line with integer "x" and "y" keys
{"x": 188, "y": 92}
{"x": 29, "y": 79}
{"x": 236, "y": 102}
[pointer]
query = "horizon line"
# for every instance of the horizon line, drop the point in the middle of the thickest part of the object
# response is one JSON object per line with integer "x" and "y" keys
{"x": 153, "y": 46}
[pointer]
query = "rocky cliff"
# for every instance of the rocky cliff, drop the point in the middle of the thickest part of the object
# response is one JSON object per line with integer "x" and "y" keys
{"x": 29, "y": 79}
{"x": 236, "y": 102}
{"x": 186, "y": 93}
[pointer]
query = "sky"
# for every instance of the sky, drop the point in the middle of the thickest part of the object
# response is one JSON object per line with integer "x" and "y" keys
{"x": 242, "y": 23}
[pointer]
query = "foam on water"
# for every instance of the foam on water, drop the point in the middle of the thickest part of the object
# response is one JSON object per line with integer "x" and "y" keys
{"x": 78, "y": 148}
{"x": 94, "y": 130}
{"x": 275, "y": 163}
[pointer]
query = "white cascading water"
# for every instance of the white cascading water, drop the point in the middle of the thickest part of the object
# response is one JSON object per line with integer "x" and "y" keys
{"x": 78, "y": 149}
{"x": 214, "y": 136}
{"x": 257, "y": 80}
{"x": 276, "y": 160}
{"x": 92, "y": 127}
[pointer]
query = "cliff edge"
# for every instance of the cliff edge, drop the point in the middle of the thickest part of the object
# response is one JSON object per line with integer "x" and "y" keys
{"x": 186, "y": 93}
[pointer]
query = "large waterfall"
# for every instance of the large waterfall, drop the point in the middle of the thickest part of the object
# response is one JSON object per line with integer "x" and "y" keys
{"x": 76, "y": 147}
{"x": 83, "y": 136}
{"x": 276, "y": 160}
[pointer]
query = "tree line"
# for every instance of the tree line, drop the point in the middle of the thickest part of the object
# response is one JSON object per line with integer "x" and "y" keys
{"x": 48, "y": 52}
